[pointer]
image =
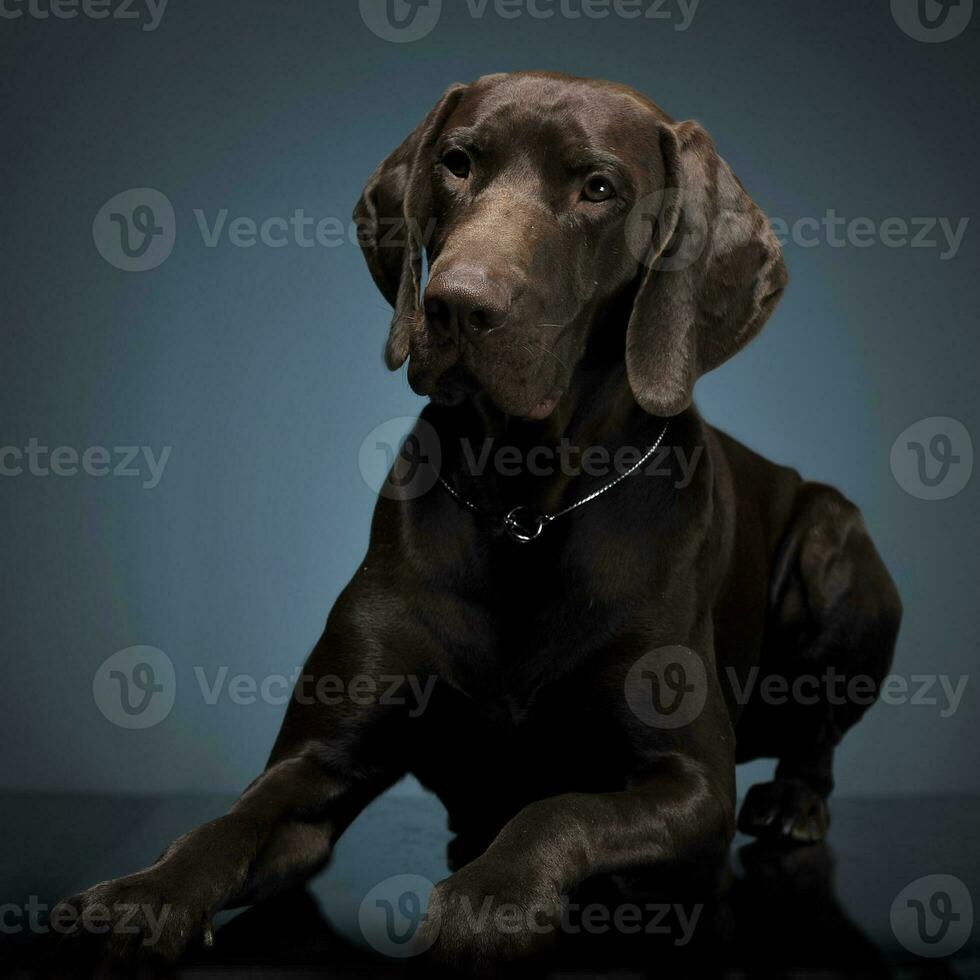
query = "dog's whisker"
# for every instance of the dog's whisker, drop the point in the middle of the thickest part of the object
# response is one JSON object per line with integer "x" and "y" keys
{"x": 548, "y": 350}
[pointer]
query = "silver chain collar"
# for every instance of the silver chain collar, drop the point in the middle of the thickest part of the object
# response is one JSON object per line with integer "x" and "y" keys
{"x": 523, "y": 526}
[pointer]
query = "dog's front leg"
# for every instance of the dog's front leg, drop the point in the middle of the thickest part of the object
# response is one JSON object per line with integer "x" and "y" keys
{"x": 338, "y": 748}
{"x": 509, "y": 902}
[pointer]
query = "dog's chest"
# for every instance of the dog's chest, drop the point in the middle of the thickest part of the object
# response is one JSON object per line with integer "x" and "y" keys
{"x": 524, "y": 623}
{"x": 517, "y": 737}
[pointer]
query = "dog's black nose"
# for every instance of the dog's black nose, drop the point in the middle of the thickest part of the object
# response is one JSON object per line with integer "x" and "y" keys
{"x": 464, "y": 299}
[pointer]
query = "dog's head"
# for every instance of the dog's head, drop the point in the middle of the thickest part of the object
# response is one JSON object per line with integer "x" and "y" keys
{"x": 538, "y": 201}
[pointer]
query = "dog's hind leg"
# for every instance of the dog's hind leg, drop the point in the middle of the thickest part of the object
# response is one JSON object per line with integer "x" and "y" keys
{"x": 833, "y": 620}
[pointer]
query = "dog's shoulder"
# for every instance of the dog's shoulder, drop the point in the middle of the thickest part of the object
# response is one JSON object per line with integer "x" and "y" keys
{"x": 747, "y": 461}
{"x": 761, "y": 488}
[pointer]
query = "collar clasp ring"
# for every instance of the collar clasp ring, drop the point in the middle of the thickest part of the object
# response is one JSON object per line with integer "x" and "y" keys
{"x": 521, "y": 526}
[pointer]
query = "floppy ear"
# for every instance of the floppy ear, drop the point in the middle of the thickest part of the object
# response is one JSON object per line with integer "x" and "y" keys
{"x": 392, "y": 218}
{"x": 714, "y": 273}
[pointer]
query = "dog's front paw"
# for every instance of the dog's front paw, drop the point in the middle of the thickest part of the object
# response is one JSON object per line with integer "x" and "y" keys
{"x": 480, "y": 919}
{"x": 145, "y": 919}
{"x": 785, "y": 809}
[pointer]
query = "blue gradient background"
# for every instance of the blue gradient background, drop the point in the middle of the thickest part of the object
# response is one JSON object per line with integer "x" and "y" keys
{"x": 261, "y": 367}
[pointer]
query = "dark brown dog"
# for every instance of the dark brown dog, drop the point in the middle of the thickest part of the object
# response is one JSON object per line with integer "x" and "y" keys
{"x": 589, "y": 259}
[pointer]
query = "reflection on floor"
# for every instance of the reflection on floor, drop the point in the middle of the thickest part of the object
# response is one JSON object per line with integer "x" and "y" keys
{"x": 856, "y": 908}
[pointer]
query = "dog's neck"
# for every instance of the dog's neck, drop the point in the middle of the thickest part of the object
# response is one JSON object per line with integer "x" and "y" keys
{"x": 499, "y": 461}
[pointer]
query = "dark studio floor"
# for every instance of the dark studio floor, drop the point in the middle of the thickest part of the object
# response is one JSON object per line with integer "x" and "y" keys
{"x": 812, "y": 912}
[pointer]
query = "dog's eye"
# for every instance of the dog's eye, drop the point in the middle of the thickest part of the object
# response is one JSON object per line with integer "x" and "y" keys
{"x": 457, "y": 163}
{"x": 598, "y": 189}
